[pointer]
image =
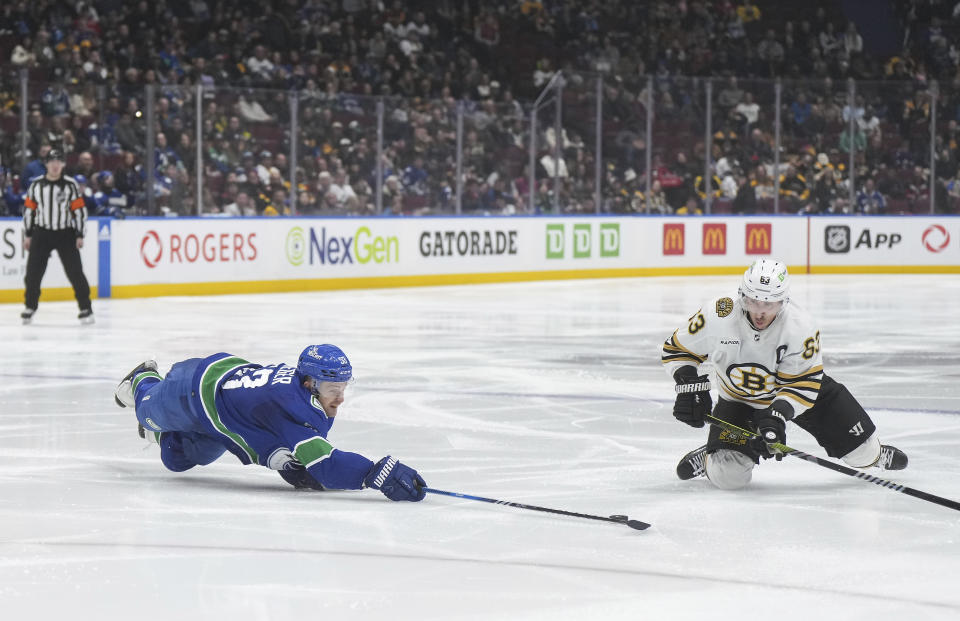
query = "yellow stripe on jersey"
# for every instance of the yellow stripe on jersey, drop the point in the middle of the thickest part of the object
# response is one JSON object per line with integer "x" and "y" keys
{"x": 801, "y": 399}
{"x": 673, "y": 351}
{"x": 743, "y": 398}
{"x": 814, "y": 371}
{"x": 812, "y": 385}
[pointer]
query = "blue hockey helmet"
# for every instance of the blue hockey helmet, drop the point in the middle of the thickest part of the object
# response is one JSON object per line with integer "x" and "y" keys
{"x": 325, "y": 363}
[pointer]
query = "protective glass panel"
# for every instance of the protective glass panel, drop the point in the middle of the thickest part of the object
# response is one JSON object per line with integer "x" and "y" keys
{"x": 817, "y": 143}
{"x": 743, "y": 179}
{"x": 420, "y": 153}
{"x": 336, "y": 153}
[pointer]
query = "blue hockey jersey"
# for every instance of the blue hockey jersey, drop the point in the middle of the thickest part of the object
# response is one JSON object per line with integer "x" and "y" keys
{"x": 265, "y": 416}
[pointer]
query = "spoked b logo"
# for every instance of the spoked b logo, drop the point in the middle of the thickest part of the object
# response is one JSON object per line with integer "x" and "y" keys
{"x": 836, "y": 239}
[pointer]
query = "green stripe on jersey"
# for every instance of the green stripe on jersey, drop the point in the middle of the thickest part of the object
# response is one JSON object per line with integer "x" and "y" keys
{"x": 208, "y": 391}
{"x": 312, "y": 451}
{"x": 139, "y": 377}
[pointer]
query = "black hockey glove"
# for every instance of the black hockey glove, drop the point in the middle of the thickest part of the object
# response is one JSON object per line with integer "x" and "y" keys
{"x": 771, "y": 424}
{"x": 298, "y": 476}
{"x": 693, "y": 397}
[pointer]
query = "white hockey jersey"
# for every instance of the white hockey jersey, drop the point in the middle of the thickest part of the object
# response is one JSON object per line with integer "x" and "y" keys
{"x": 752, "y": 366}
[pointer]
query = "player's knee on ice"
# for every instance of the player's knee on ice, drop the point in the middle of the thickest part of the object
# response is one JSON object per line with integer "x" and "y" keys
{"x": 181, "y": 451}
{"x": 729, "y": 469}
{"x": 864, "y": 455}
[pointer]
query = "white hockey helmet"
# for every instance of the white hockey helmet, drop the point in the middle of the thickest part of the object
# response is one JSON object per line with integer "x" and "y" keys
{"x": 766, "y": 281}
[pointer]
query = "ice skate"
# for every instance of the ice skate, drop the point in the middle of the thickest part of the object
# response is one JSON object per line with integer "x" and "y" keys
{"x": 27, "y": 315}
{"x": 891, "y": 458}
{"x": 693, "y": 464}
{"x": 86, "y": 317}
{"x": 149, "y": 436}
{"x": 124, "y": 393}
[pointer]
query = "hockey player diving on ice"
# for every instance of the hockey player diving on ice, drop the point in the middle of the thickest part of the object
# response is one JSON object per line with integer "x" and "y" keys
{"x": 765, "y": 350}
{"x": 277, "y": 416}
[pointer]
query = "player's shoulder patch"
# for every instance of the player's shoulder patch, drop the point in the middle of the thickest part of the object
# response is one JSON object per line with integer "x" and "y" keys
{"x": 724, "y": 307}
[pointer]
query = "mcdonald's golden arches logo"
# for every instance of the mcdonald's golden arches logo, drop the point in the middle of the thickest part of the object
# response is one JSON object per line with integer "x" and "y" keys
{"x": 714, "y": 238}
{"x": 673, "y": 238}
{"x": 759, "y": 238}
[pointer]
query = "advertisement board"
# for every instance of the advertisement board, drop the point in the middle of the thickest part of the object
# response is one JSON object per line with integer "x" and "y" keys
{"x": 170, "y": 251}
{"x": 878, "y": 243}
{"x": 166, "y": 256}
{"x": 718, "y": 242}
{"x": 55, "y": 286}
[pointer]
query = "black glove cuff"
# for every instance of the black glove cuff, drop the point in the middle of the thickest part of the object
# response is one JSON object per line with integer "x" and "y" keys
{"x": 784, "y": 408}
{"x": 685, "y": 374}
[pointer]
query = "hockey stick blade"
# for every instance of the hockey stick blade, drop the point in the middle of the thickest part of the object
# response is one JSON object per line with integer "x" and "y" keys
{"x": 783, "y": 448}
{"x": 616, "y": 519}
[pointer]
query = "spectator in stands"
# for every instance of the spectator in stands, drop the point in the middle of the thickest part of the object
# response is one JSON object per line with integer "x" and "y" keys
{"x": 36, "y": 167}
{"x": 691, "y": 208}
{"x": 747, "y": 112}
{"x": 729, "y": 96}
{"x": 83, "y": 166}
{"x": 164, "y": 155}
{"x": 852, "y": 41}
{"x": 128, "y": 177}
{"x": 794, "y": 190}
{"x": 746, "y": 200}
{"x": 771, "y": 52}
{"x": 657, "y": 201}
{"x": 827, "y": 194}
{"x": 242, "y": 205}
{"x": 108, "y": 200}
{"x": 55, "y": 101}
{"x": 858, "y": 142}
{"x": 11, "y": 202}
{"x": 869, "y": 200}
{"x": 346, "y": 196}
{"x": 394, "y": 196}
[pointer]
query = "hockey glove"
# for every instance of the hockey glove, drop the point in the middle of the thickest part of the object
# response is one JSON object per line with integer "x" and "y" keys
{"x": 771, "y": 424}
{"x": 693, "y": 397}
{"x": 397, "y": 481}
{"x": 300, "y": 478}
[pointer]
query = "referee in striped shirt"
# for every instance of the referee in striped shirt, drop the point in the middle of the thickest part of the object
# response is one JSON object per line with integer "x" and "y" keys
{"x": 54, "y": 217}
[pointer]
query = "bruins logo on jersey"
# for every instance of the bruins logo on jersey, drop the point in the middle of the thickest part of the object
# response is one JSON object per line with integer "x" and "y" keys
{"x": 724, "y": 307}
{"x": 750, "y": 381}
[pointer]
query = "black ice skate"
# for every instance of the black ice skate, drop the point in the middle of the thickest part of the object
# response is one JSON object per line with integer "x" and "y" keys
{"x": 150, "y": 436}
{"x": 891, "y": 458}
{"x": 27, "y": 315}
{"x": 693, "y": 464}
{"x": 86, "y": 316}
{"x": 124, "y": 393}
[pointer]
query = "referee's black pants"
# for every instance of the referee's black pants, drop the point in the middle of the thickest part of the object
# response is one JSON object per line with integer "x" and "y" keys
{"x": 42, "y": 243}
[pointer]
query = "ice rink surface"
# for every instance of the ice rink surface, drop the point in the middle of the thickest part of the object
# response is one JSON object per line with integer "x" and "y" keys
{"x": 549, "y": 394}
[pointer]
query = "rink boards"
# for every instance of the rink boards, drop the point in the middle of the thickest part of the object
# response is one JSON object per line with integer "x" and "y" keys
{"x": 183, "y": 256}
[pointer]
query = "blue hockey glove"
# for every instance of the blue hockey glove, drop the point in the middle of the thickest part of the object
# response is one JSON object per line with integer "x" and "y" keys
{"x": 693, "y": 397}
{"x": 300, "y": 478}
{"x": 771, "y": 424}
{"x": 397, "y": 481}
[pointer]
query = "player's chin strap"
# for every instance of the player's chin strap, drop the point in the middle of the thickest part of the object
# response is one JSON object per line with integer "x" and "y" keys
{"x": 747, "y": 434}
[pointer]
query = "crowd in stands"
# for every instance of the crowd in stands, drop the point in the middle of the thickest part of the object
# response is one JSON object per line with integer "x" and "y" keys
{"x": 329, "y": 64}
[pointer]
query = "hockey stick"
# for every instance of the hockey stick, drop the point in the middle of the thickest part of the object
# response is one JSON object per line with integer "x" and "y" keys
{"x": 909, "y": 491}
{"x": 617, "y": 519}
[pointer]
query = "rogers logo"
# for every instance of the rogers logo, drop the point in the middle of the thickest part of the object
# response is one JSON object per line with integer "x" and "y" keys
{"x": 936, "y": 238}
{"x": 193, "y": 248}
{"x": 151, "y": 239}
